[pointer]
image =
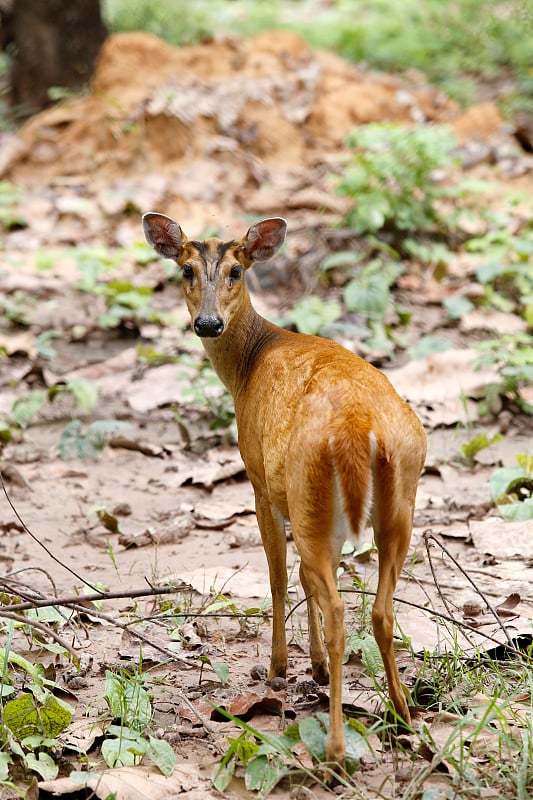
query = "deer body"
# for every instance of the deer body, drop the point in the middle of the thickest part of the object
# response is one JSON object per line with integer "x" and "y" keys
{"x": 326, "y": 441}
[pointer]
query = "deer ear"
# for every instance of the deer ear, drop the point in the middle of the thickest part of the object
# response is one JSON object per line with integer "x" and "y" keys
{"x": 264, "y": 239}
{"x": 163, "y": 234}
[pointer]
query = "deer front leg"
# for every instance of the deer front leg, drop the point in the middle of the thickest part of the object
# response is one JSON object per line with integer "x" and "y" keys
{"x": 272, "y": 528}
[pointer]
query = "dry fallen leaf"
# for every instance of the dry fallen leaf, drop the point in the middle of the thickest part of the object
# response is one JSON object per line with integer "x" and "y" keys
{"x": 247, "y": 705}
{"x": 133, "y": 783}
{"x": 505, "y": 540}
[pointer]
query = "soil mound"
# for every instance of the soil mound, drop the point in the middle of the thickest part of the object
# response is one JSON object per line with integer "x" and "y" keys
{"x": 216, "y": 118}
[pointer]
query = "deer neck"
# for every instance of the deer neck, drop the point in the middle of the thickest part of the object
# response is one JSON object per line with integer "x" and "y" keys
{"x": 237, "y": 351}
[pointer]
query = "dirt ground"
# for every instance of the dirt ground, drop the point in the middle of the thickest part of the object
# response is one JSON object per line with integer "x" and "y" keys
{"x": 158, "y": 131}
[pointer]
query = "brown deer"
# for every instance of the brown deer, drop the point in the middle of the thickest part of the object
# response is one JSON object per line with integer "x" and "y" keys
{"x": 327, "y": 443}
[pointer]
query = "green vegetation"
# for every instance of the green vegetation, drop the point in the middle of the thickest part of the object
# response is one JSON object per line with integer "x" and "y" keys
{"x": 512, "y": 489}
{"x": 390, "y": 177}
{"x": 507, "y": 273}
{"x": 512, "y": 355}
{"x": 128, "y": 742}
{"x": 32, "y": 720}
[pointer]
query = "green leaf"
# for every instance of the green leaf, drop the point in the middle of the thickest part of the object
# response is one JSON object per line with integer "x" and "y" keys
{"x": 486, "y": 273}
{"x": 74, "y": 443}
{"x": 122, "y": 752}
{"x": 25, "y": 717}
{"x": 457, "y": 306}
{"x": 263, "y": 773}
{"x": 517, "y": 512}
{"x": 478, "y": 443}
{"x": 82, "y": 778}
{"x": 427, "y": 345}
{"x": 162, "y": 755}
{"x": 221, "y": 670}
{"x": 86, "y": 394}
{"x": 369, "y": 295}
{"x": 128, "y": 701}
{"x": 312, "y": 315}
{"x": 43, "y": 764}
{"x": 371, "y": 655}
{"x": 502, "y": 478}
{"x": 313, "y": 735}
{"x": 25, "y": 409}
{"x": 356, "y": 746}
{"x": 5, "y": 761}
{"x": 342, "y": 258}
{"x": 223, "y": 774}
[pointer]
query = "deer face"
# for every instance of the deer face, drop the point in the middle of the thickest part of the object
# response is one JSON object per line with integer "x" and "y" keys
{"x": 213, "y": 270}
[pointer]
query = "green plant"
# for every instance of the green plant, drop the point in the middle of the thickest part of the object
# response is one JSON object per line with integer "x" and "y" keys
{"x": 512, "y": 355}
{"x": 368, "y": 293}
{"x": 507, "y": 277}
{"x": 512, "y": 489}
{"x": 267, "y": 759}
{"x": 25, "y": 409}
{"x": 313, "y": 315}
{"x": 126, "y": 302}
{"x": 84, "y": 392}
{"x": 31, "y": 721}
{"x": 77, "y": 442}
{"x": 10, "y": 216}
{"x": 127, "y": 743}
{"x": 207, "y": 392}
{"x": 391, "y": 177}
{"x": 478, "y": 443}
{"x": 15, "y": 307}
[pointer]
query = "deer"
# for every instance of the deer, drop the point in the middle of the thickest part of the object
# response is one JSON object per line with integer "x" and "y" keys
{"x": 327, "y": 444}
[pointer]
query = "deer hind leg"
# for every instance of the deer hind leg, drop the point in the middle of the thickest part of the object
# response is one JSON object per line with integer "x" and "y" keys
{"x": 392, "y": 522}
{"x": 272, "y": 528}
{"x": 319, "y": 550}
{"x": 319, "y": 659}
{"x": 319, "y": 569}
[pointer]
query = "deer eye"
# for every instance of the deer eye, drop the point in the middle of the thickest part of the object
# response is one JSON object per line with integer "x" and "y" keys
{"x": 188, "y": 271}
{"x": 235, "y": 273}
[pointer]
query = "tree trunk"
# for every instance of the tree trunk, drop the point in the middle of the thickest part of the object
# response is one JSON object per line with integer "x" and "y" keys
{"x": 55, "y": 44}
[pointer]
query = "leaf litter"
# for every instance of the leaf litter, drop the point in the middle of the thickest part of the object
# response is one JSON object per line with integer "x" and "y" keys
{"x": 276, "y": 112}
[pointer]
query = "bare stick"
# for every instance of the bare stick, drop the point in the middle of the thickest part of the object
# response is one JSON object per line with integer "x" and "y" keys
{"x": 46, "y": 629}
{"x": 37, "y": 541}
{"x": 428, "y": 535}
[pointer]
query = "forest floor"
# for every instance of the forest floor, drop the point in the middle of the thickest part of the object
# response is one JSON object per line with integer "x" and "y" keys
{"x": 114, "y": 464}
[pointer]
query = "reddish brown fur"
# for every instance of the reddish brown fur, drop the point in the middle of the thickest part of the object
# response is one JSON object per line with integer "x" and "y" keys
{"x": 311, "y": 417}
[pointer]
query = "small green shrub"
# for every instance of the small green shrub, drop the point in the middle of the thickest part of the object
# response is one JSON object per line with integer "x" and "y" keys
{"x": 313, "y": 315}
{"x": 390, "y": 178}
{"x": 507, "y": 275}
{"x": 512, "y": 355}
{"x": 512, "y": 489}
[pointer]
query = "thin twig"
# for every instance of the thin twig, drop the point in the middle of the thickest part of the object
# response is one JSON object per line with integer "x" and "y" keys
{"x": 97, "y": 596}
{"x": 44, "y": 602}
{"x": 46, "y": 629}
{"x": 427, "y": 536}
{"x": 38, "y": 541}
{"x": 437, "y": 585}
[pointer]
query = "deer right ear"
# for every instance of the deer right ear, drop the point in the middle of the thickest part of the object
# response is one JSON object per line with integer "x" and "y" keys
{"x": 264, "y": 239}
{"x": 163, "y": 234}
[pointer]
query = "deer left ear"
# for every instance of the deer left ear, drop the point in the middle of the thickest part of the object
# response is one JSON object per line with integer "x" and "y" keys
{"x": 264, "y": 239}
{"x": 163, "y": 234}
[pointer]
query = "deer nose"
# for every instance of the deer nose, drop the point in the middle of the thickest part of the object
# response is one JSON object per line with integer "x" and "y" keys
{"x": 208, "y": 326}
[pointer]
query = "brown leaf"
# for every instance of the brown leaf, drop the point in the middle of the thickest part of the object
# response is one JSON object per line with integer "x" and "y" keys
{"x": 505, "y": 540}
{"x": 134, "y": 783}
{"x": 249, "y": 704}
{"x": 138, "y": 445}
